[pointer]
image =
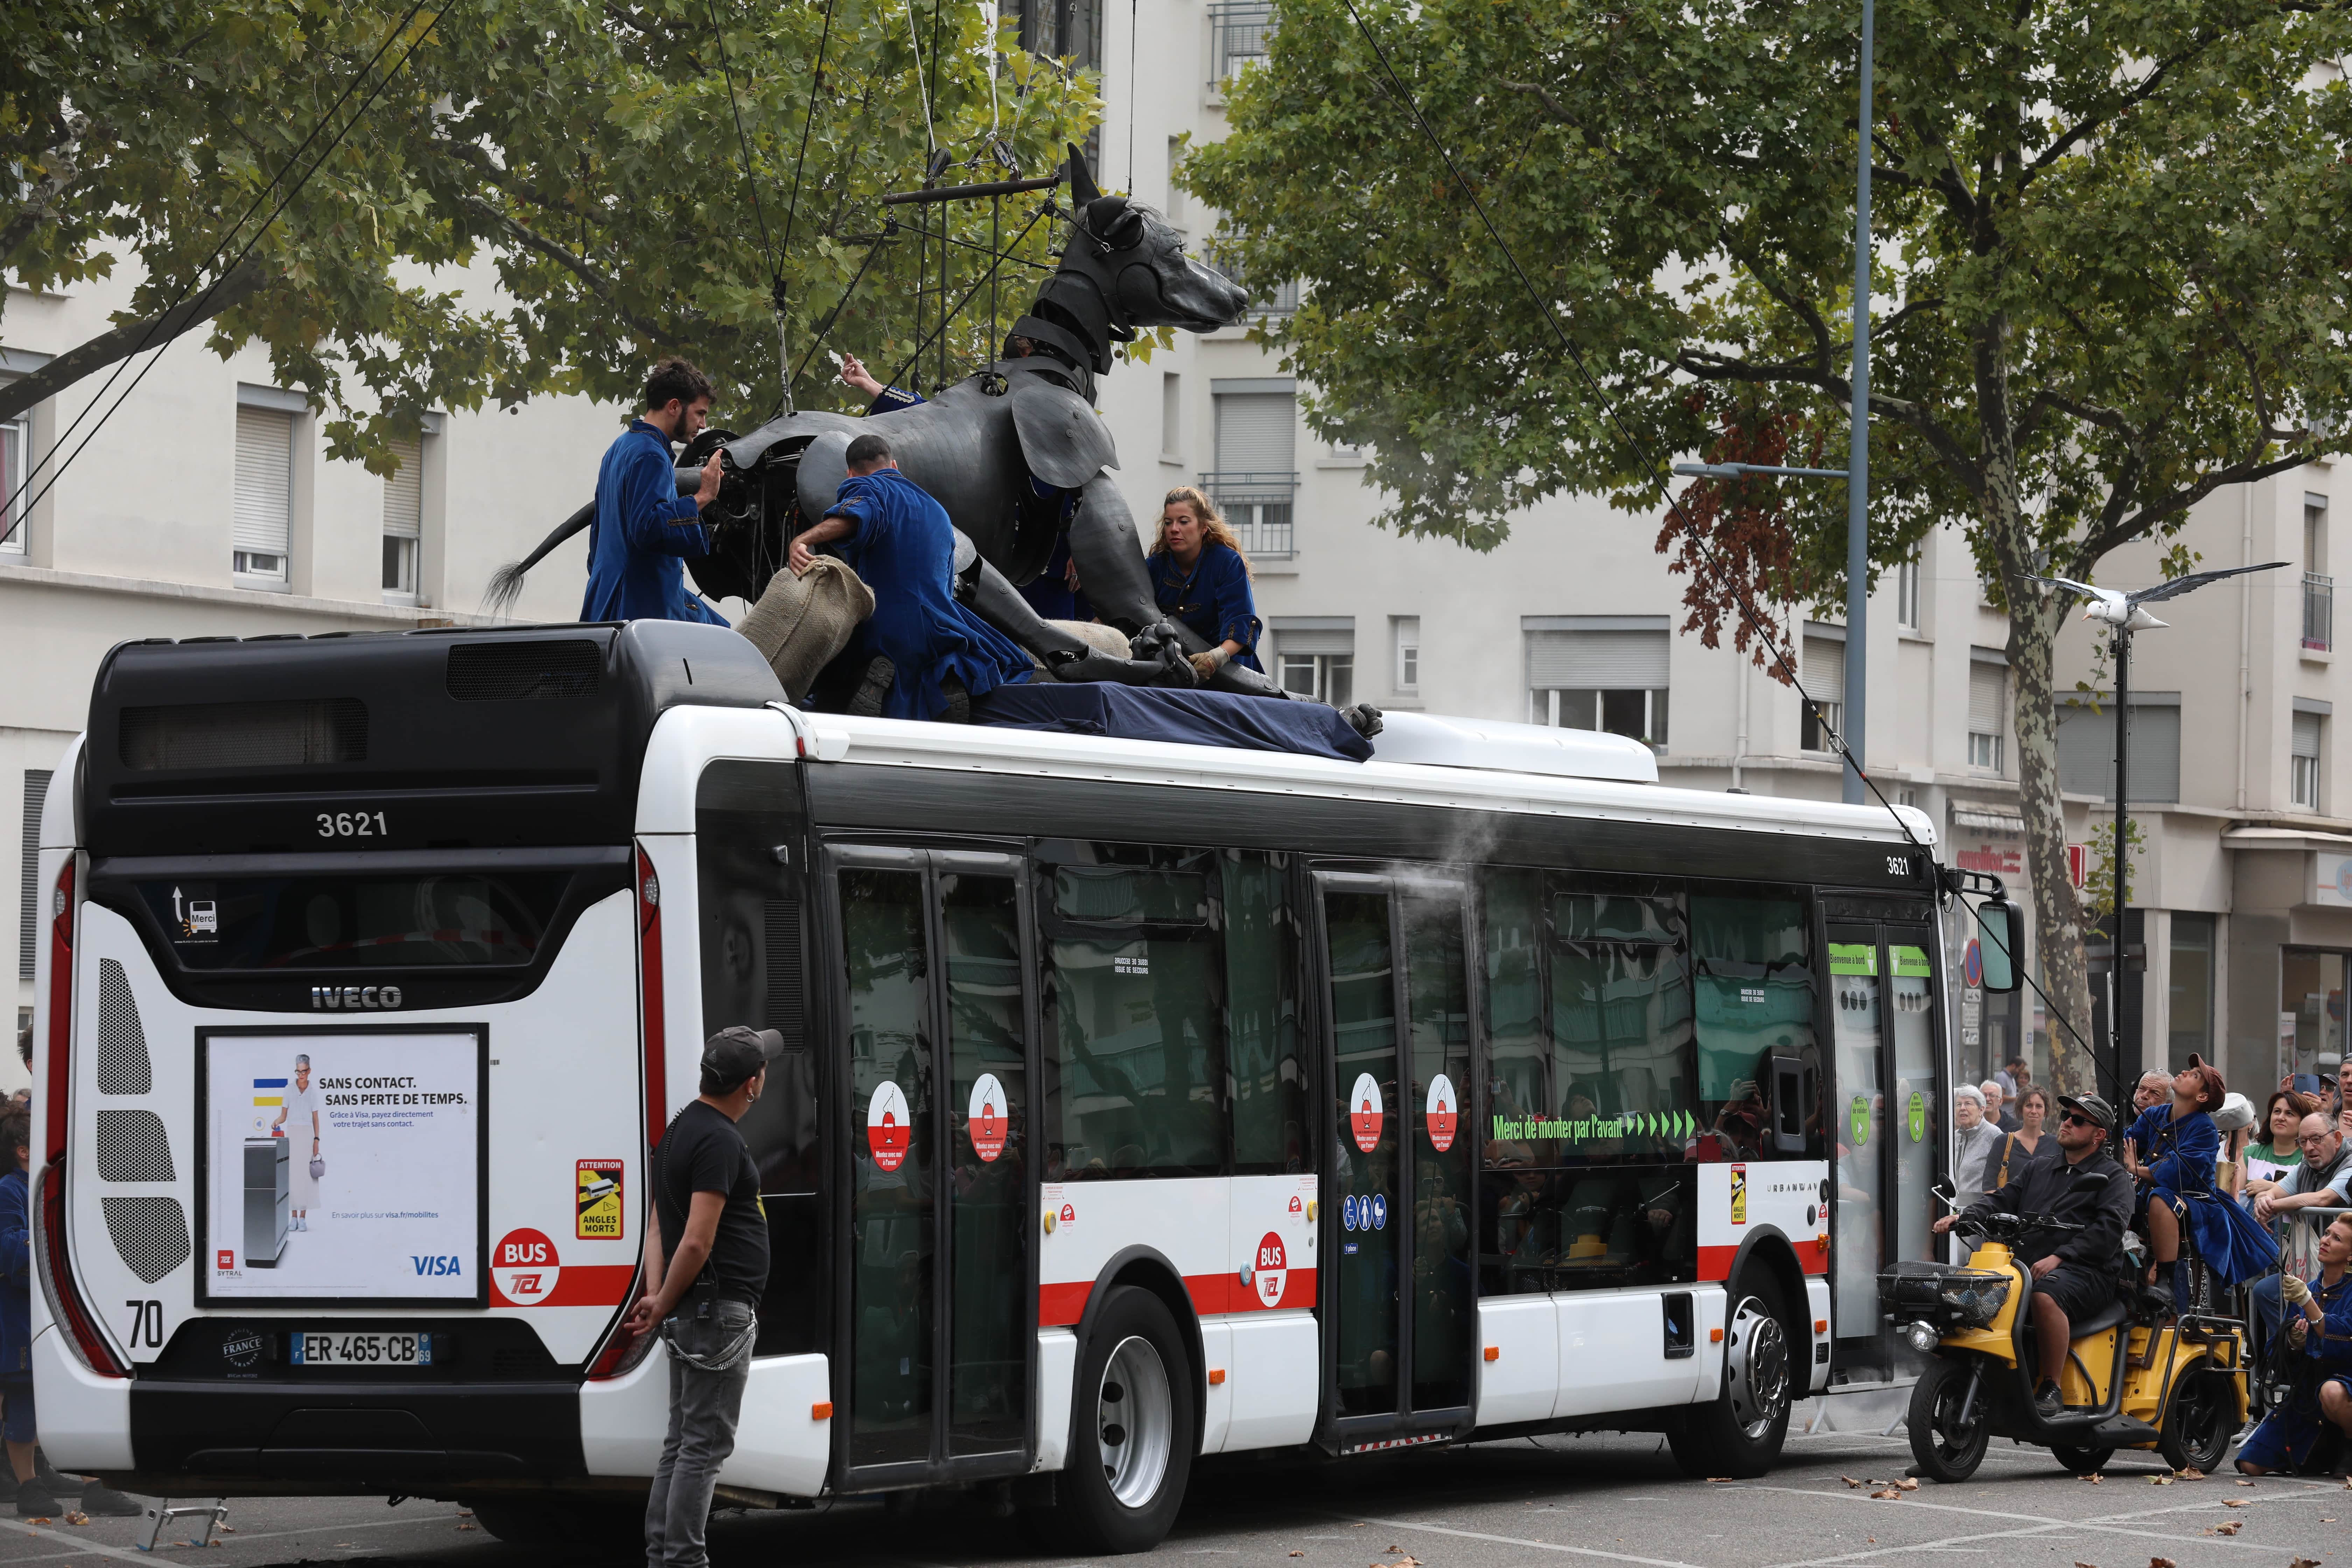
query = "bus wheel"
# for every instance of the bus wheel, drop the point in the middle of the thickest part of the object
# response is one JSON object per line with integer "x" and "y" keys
{"x": 1739, "y": 1433}
{"x": 598, "y": 1528}
{"x": 1131, "y": 1431}
{"x": 2082, "y": 1461}
{"x": 2200, "y": 1423}
{"x": 1948, "y": 1450}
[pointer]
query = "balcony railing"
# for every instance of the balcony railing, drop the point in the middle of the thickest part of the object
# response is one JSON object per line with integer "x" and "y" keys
{"x": 1238, "y": 31}
{"x": 1259, "y": 508}
{"x": 2318, "y": 611}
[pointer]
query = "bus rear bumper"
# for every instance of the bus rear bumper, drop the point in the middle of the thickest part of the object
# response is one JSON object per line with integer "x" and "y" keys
{"x": 359, "y": 1437}
{"x": 85, "y": 1418}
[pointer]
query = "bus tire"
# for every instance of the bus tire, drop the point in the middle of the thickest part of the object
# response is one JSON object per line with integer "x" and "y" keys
{"x": 1131, "y": 1426}
{"x": 598, "y": 1528}
{"x": 1739, "y": 1432}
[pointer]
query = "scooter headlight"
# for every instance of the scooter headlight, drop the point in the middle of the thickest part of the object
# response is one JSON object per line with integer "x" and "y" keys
{"x": 1923, "y": 1336}
{"x": 1974, "y": 1296}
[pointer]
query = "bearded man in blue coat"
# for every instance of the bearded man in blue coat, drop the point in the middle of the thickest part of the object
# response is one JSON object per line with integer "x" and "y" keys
{"x": 941, "y": 658}
{"x": 644, "y": 530}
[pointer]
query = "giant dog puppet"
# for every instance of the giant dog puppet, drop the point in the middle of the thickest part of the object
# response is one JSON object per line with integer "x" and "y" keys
{"x": 976, "y": 447}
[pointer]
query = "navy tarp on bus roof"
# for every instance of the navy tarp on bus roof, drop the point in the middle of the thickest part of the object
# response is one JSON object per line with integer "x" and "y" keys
{"x": 1188, "y": 717}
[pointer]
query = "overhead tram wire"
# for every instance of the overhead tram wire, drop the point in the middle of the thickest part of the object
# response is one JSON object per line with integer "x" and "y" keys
{"x": 402, "y": 27}
{"x": 1649, "y": 461}
{"x": 750, "y": 183}
{"x": 8, "y": 507}
{"x": 946, "y": 314}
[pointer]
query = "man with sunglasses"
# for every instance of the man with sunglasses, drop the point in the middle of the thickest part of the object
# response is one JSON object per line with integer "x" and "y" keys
{"x": 2075, "y": 1271}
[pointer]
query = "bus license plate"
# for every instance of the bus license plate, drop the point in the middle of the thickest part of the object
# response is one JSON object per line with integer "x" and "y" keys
{"x": 361, "y": 1349}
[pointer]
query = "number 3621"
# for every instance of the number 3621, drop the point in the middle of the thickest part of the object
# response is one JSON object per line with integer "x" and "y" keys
{"x": 353, "y": 825}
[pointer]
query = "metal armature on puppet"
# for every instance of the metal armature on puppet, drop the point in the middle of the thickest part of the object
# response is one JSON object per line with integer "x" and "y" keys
{"x": 976, "y": 444}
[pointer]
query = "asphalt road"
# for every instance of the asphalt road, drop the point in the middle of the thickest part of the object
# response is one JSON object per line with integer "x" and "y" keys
{"x": 1593, "y": 1500}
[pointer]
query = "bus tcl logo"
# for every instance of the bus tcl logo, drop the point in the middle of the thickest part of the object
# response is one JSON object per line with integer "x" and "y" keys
{"x": 341, "y": 998}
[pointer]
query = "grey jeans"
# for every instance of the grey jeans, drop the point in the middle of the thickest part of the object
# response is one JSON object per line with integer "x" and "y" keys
{"x": 706, "y": 1396}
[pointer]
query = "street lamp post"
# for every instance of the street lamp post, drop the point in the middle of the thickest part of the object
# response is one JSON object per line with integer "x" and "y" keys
{"x": 1856, "y": 473}
{"x": 2122, "y": 612}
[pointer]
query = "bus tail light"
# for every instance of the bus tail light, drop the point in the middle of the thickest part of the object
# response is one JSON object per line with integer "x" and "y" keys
{"x": 625, "y": 1351}
{"x": 649, "y": 978}
{"x": 55, "y": 1267}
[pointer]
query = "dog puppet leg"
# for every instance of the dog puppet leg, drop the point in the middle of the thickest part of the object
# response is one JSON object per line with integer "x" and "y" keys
{"x": 1066, "y": 656}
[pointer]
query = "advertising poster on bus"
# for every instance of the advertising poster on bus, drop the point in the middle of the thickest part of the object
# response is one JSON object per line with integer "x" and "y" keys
{"x": 342, "y": 1167}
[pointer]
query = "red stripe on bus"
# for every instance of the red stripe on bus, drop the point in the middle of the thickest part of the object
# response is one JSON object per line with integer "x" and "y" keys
{"x": 580, "y": 1285}
{"x": 1214, "y": 1295}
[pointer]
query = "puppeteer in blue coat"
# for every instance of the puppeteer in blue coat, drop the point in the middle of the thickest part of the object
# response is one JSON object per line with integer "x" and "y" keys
{"x": 644, "y": 533}
{"x": 2180, "y": 1154}
{"x": 899, "y": 541}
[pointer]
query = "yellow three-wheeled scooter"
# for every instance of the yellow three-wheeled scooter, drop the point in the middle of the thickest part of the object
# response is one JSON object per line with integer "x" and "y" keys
{"x": 2176, "y": 1385}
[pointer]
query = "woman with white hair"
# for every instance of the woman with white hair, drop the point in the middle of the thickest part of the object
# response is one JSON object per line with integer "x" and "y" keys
{"x": 1974, "y": 1140}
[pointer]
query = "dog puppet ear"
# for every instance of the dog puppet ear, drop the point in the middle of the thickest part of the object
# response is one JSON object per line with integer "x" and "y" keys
{"x": 1082, "y": 184}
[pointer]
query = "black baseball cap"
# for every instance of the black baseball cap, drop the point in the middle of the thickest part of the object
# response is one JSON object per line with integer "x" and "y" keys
{"x": 737, "y": 1053}
{"x": 2101, "y": 1113}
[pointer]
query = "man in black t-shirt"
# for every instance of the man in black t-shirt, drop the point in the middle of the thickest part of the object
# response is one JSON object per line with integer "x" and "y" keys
{"x": 706, "y": 1192}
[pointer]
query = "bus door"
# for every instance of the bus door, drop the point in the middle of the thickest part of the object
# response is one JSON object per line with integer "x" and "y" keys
{"x": 934, "y": 1028}
{"x": 1400, "y": 1220}
{"x": 1889, "y": 1104}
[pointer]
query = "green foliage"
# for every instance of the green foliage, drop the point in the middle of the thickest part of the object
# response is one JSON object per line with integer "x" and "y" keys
{"x": 2099, "y": 875}
{"x": 2110, "y": 240}
{"x": 582, "y": 155}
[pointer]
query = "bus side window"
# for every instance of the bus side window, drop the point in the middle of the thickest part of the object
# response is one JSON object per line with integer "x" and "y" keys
{"x": 1268, "y": 1091}
{"x": 751, "y": 861}
{"x": 1753, "y": 956}
{"x": 1134, "y": 1001}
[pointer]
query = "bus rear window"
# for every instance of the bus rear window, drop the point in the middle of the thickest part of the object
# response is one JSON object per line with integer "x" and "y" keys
{"x": 412, "y": 919}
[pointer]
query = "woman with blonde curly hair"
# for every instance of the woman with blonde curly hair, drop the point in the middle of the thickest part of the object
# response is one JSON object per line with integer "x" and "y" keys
{"x": 1200, "y": 578}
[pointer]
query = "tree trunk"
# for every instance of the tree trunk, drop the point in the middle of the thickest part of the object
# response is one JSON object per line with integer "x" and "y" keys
{"x": 133, "y": 337}
{"x": 2057, "y": 948}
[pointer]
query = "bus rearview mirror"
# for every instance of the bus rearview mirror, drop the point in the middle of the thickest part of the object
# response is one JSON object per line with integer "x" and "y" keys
{"x": 1999, "y": 934}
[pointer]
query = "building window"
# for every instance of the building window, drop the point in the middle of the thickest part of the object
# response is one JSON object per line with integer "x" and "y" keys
{"x": 1823, "y": 667}
{"x": 28, "y": 873}
{"x": 1315, "y": 657}
{"x": 2305, "y": 747}
{"x": 1171, "y": 417}
{"x": 1608, "y": 677}
{"x": 1238, "y": 33}
{"x": 2318, "y": 587}
{"x": 1405, "y": 632}
{"x": 14, "y": 447}
{"x": 2191, "y": 1007}
{"x": 1059, "y": 29}
{"x": 1256, "y": 481}
{"x": 2087, "y": 747}
{"x": 1907, "y": 594}
{"x": 404, "y": 523}
{"x": 265, "y": 494}
{"x": 1988, "y": 714}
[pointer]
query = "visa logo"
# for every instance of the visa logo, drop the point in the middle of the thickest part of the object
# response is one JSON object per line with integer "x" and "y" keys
{"x": 435, "y": 1265}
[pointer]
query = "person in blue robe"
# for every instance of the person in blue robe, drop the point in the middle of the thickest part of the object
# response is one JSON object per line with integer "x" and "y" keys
{"x": 645, "y": 532}
{"x": 1200, "y": 578}
{"x": 899, "y": 542}
{"x": 2322, "y": 1310}
{"x": 2173, "y": 1150}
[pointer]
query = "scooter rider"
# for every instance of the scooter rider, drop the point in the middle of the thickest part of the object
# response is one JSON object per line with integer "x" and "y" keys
{"x": 2075, "y": 1275}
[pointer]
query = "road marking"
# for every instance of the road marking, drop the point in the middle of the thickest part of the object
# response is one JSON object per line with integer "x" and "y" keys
{"x": 98, "y": 1547}
{"x": 2102, "y": 1523}
{"x": 1517, "y": 1541}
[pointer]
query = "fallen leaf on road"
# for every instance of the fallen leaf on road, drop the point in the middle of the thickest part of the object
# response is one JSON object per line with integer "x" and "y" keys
{"x": 1849, "y": 1480}
{"x": 2159, "y": 1481}
{"x": 2233, "y": 1502}
{"x": 1406, "y": 1563}
{"x": 2095, "y": 1479}
{"x": 2189, "y": 1473}
{"x": 1889, "y": 1492}
{"x": 463, "y": 1525}
{"x": 77, "y": 1517}
{"x": 1718, "y": 1480}
{"x": 44, "y": 1519}
{"x": 2305, "y": 1562}
{"x": 2245, "y": 1483}
{"x": 231, "y": 1530}
{"x": 2231, "y": 1528}
{"x": 2162, "y": 1562}
{"x": 2324, "y": 1519}
{"x": 2079, "y": 1563}
{"x": 1908, "y": 1484}
{"x": 1302, "y": 1553}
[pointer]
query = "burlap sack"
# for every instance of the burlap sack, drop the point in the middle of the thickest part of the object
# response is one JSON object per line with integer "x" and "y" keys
{"x": 1108, "y": 639}
{"x": 801, "y": 621}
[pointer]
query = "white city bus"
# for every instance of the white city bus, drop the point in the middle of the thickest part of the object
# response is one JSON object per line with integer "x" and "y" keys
{"x": 1140, "y": 1102}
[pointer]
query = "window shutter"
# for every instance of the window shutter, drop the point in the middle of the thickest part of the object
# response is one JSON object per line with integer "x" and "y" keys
{"x": 264, "y": 480}
{"x": 28, "y": 927}
{"x": 2087, "y": 751}
{"x": 1988, "y": 693}
{"x": 403, "y": 492}
{"x": 1825, "y": 669}
{"x": 2306, "y": 735}
{"x": 2154, "y": 754}
{"x": 1318, "y": 641}
{"x": 1606, "y": 661}
{"x": 1256, "y": 431}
